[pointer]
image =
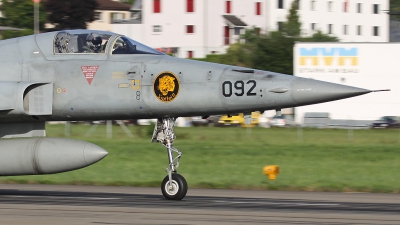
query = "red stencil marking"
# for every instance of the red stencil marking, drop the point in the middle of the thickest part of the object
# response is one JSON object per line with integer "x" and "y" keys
{"x": 89, "y": 72}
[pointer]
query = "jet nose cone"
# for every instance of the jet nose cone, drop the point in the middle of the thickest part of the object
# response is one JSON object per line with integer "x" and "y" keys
{"x": 93, "y": 153}
{"x": 308, "y": 91}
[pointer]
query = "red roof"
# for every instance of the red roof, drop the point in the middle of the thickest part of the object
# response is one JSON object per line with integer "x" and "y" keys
{"x": 112, "y": 5}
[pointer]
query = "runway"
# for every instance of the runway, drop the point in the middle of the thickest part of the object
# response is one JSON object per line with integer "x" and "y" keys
{"x": 53, "y": 204}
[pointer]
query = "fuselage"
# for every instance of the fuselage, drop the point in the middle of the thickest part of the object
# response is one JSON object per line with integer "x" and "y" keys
{"x": 136, "y": 84}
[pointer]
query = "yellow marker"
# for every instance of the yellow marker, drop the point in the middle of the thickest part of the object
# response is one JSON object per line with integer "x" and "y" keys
{"x": 271, "y": 171}
{"x": 123, "y": 85}
{"x": 119, "y": 75}
{"x": 135, "y": 84}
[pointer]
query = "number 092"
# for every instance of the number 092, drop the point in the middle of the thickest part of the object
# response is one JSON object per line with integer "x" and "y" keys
{"x": 239, "y": 88}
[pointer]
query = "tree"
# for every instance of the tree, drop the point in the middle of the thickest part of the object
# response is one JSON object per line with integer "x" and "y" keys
{"x": 292, "y": 27}
{"x": 394, "y": 10}
{"x": 70, "y": 14}
{"x": 19, "y": 13}
{"x": 274, "y": 53}
{"x": 320, "y": 37}
{"x": 15, "y": 33}
{"x": 128, "y": 1}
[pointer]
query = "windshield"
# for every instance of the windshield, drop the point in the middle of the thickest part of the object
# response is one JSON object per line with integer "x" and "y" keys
{"x": 81, "y": 41}
{"x": 124, "y": 45}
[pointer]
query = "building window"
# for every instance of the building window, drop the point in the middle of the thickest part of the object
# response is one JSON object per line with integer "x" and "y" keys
{"x": 376, "y": 8}
{"x": 189, "y": 29}
{"x": 330, "y": 28}
{"x": 312, "y": 5}
{"x": 345, "y": 6}
{"x": 226, "y": 35}
{"x": 258, "y": 8}
{"x": 117, "y": 16}
{"x": 330, "y": 6}
{"x": 280, "y": 26}
{"x": 359, "y": 7}
{"x": 97, "y": 16}
{"x": 190, "y": 54}
{"x": 345, "y": 29}
{"x": 228, "y": 7}
{"x": 280, "y": 4}
{"x": 359, "y": 30}
{"x": 238, "y": 30}
{"x": 157, "y": 6}
{"x": 376, "y": 31}
{"x": 157, "y": 29}
{"x": 298, "y": 4}
{"x": 189, "y": 5}
{"x": 313, "y": 26}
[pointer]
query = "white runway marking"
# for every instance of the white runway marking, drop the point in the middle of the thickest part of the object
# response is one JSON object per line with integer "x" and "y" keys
{"x": 280, "y": 203}
{"x": 58, "y": 197}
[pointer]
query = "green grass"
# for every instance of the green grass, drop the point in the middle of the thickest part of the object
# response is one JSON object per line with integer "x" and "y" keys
{"x": 309, "y": 159}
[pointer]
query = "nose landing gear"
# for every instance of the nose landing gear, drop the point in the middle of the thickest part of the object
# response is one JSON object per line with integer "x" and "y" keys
{"x": 174, "y": 186}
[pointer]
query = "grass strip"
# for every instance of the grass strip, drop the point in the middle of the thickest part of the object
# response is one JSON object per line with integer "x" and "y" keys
{"x": 229, "y": 157}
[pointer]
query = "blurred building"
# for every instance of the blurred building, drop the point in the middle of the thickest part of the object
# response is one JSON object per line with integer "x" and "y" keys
{"x": 349, "y": 20}
{"x": 107, "y": 12}
{"x": 132, "y": 27}
{"x": 195, "y": 28}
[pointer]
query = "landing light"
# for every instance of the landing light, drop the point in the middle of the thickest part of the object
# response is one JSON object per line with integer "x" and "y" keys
{"x": 271, "y": 171}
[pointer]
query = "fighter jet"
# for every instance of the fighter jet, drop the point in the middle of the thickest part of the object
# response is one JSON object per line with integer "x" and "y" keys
{"x": 76, "y": 75}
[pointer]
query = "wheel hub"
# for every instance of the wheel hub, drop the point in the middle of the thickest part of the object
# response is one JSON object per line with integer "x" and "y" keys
{"x": 172, "y": 187}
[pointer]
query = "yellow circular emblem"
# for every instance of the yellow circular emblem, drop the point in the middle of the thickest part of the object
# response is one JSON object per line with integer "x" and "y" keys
{"x": 166, "y": 86}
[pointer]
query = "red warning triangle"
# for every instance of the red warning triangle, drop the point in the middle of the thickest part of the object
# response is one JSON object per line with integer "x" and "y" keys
{"x": 89, "y": 72}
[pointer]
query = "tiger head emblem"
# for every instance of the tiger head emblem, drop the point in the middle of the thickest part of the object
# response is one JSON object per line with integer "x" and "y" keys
{"x": 166, "y": 84}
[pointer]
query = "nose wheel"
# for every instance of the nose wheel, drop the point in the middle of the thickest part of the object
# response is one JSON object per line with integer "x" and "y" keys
{"x": 174, "y": 186}
{"x": 176, "y": 189}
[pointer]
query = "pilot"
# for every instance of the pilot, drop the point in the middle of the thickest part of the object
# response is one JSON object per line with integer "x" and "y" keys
{"x": 93, "y": 43}
{"x": 61, "y": 42}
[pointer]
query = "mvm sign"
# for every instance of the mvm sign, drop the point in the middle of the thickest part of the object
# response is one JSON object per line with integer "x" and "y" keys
{"x": 328, "y": 56}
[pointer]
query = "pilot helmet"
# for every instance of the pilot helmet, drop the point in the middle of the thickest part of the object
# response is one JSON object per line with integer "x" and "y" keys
{"x": 93, "y": 41}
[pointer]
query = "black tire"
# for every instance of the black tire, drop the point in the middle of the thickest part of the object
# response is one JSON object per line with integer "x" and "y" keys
{"x": 179, "y": 186}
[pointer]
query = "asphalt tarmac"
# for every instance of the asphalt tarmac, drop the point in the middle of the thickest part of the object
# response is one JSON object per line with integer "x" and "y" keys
{"x": 53, "y": 204}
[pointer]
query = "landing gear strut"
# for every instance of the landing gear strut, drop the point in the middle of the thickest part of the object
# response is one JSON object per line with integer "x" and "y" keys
{"x": 174, "y": 186}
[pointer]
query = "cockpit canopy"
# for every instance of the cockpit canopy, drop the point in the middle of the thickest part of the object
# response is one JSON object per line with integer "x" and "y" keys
{"x": 98, "y": 42}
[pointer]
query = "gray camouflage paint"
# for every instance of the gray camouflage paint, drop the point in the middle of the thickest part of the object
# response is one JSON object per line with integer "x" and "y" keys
{"x": 38, "y": 85}
{"x": 31, "y": 59}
